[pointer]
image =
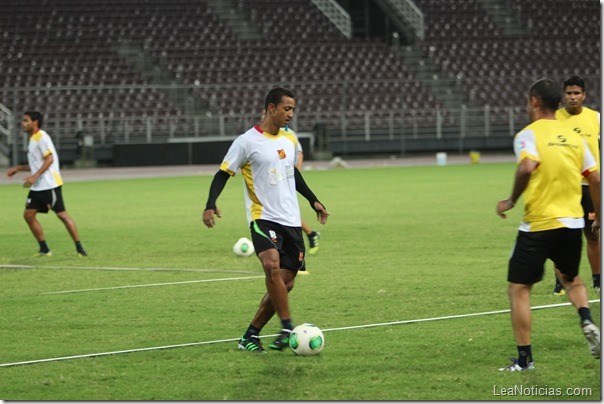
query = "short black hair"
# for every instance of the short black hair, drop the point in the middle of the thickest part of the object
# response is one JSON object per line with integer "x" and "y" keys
{"x": 35, "y": 116}
{"x": 548, "y": 91}
{"x": 575, "y": 81}
{"x": 275, "y": 95}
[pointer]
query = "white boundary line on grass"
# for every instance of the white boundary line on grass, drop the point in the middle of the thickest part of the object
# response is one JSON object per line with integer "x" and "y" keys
{"x": 484, "y": 313}
{"x": 421, "y": 320}
{"x": 124, "y": 269}
{"x": 151, "y": 284}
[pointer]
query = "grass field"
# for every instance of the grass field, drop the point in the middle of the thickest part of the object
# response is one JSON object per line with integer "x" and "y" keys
{"x": 401, "y": 244}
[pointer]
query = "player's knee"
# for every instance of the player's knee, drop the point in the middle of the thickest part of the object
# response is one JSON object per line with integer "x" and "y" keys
{"x": 29, "y": 215}
{"x": 63, "y": 216}
{"x": 517, "y": 290}
{"x": 271, "y": 268}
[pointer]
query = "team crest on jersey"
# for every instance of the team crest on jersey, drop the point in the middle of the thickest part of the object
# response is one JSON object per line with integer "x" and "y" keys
{"x": 272, "y": 235}
{"x": 281, "y": 154}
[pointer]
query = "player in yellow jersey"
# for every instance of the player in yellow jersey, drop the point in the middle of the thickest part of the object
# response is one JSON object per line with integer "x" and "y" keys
{"x": 586, "y": 122}
{"x": 551, "y": 160}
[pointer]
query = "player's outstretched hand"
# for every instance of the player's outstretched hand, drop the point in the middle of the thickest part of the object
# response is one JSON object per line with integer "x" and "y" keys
{"x": 504, "y": 206}
{"x": 321, "y": 212}
{"x": 208, "y": 217}
{"x": 12, "y": 171}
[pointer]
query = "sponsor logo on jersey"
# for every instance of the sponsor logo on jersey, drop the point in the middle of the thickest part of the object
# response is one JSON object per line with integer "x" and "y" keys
{"x": 562, "y": 141}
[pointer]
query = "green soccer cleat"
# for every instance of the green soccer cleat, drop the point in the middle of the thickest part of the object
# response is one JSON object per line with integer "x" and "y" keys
{"x": 559, "y": 290}
{"x": 251, "y": 344}
{"x": 43, "y": 254}
{"x": 282, "y": 340}
{"x": 313, "y": 241}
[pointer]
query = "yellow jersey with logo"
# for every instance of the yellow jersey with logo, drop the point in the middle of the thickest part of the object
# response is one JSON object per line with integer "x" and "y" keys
{"x": 267, "y": 164}
{"x": 39, "y": 147}
{"x": 552, "y": 198}
{"x": 586, "y": 124}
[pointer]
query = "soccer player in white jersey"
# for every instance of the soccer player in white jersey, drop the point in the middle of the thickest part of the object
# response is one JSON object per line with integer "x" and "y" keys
{"x": 45, "y": 183}
{"x": 266, "y": 156}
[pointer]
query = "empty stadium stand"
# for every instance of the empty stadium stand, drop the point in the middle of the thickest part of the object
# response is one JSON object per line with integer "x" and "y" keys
{"x": 147, "y": 71}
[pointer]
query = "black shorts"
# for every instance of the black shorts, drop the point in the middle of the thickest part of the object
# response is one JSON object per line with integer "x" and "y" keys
{"x": 589, "y": 213}
{"x": 287, "y": 240}
{"x": 44, "y": 200}
{"x": 532, "y": 249}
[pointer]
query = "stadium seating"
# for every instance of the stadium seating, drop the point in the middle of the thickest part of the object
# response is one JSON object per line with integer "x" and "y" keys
{"x": 472, "y": 49}
{"x": 66, "y": 62}
{"x": 75, "y": 47}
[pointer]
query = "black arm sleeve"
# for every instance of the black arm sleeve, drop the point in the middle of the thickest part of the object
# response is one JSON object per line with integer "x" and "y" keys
{"x": 303, "y": 188}
{"x": 218, "y": 183}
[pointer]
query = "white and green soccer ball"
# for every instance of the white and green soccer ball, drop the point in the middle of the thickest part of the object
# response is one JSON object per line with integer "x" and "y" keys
{"x": 243, "y": 247}
{"x": 306, "y": 339}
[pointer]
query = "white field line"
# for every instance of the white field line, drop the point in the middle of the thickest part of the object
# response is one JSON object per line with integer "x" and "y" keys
{"x": 151, "y": 284}
{"x": 484, "y": 313}
{"x": 124, "y": 269}
{"x": 421, "y": 320}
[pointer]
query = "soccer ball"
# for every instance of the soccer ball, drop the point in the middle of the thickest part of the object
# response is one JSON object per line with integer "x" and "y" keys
{"x": 306, "y": 339}
{"x": 243, "y": 247}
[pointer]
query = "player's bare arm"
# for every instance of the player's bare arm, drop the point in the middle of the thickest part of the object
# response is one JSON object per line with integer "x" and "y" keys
{"x": 30, "y": 180}
{"x": 13, "y": 170}
{"x": 593, "y": 179}
{"x": 521, "y": 180}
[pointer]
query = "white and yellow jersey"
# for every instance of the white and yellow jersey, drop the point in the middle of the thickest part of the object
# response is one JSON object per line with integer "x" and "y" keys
{"x": 552, "y": 198}
{"x": 586, "y": 124}
{"x": 40, "y": 146}
{"x": 267, "y": 164}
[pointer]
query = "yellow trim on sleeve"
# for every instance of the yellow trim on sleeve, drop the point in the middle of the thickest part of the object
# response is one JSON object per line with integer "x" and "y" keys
{"x": 224, "y": 167}
{"x": 592, "y": 169}
{"x": 526, "y": 155}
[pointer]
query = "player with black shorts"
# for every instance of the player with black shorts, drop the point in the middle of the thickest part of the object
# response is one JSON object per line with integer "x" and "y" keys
{"x": 552, "y": 159}
{"x": 266, "y": 156}
{"x": 45, "y": 183}
{"x": 586, "y": 122}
